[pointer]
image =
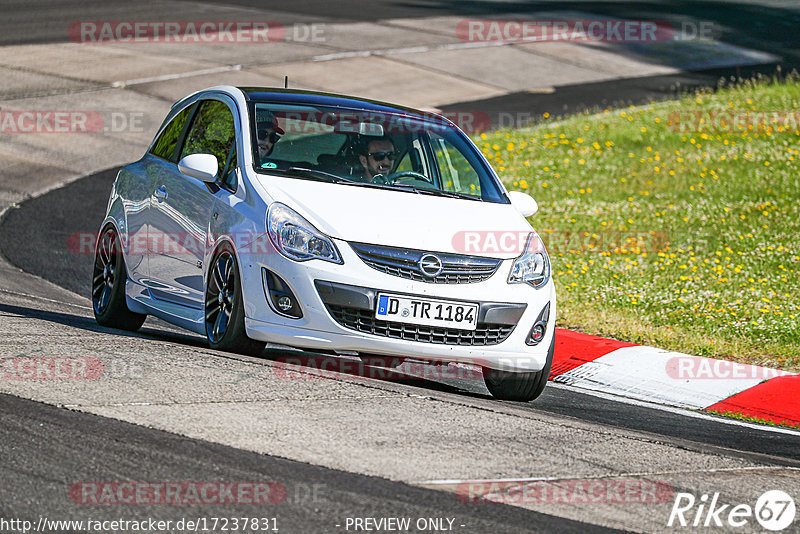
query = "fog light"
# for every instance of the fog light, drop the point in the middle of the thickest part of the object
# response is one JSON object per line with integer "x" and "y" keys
{"x": 280, "y": 296}
{"x": 285, "y": 303}
{"x": 536, "y": 334}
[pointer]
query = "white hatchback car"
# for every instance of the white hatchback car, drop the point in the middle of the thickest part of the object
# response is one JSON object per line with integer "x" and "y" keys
{"x": 333, "y": 224}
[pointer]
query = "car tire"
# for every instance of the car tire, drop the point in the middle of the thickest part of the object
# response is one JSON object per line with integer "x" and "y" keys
{"x": 224, "y": 306}
{"x": 524, "y": 387}
{"x": 108, "y": 285}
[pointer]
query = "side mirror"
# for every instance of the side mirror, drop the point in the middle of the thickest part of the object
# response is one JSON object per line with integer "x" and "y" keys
{"x": 201, "y": 166}
{"x": 524, "y": 203}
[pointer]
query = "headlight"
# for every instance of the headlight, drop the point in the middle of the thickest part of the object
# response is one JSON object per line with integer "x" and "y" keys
{"x": 533, "y": 266}
{"x": 296, "y": 238}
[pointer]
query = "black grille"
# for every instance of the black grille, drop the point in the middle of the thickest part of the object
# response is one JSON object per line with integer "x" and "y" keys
{"x": 456, "y": 268}
{"x": 364, "y": 321}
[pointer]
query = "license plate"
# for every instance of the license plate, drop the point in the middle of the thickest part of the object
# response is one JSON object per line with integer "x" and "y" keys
{"x": 427, "y": 312}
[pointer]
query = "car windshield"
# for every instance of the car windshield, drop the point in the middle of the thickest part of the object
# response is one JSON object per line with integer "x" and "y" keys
{"x": 373, "y": 149}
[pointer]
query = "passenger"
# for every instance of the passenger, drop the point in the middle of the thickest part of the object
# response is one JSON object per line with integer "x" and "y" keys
{"x": 267, "y": 134}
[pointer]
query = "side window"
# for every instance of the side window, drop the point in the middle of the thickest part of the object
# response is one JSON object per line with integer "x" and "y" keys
{"x": 412, "y": 160}
{"x": 405, "y": 164}
{"x": 212, "y": 132}
{"x": 228, "y": 176}
{"x": 457, "y": 174}
{"x": 164, "y": 147}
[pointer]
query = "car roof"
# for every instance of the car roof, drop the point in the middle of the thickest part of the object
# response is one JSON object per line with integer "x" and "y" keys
{"x": 296, "y": 96}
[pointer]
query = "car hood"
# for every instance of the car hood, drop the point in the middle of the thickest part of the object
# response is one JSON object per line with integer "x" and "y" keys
{"x": 404, "y": 219}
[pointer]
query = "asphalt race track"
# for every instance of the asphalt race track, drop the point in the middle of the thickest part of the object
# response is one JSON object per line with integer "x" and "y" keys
{"x": 766, "y": 26}
{"x": 157, "y": 455}
{"x": 167, "y": 408}
{"x": 76, "y": 209}
{"x": 136, "y": 453}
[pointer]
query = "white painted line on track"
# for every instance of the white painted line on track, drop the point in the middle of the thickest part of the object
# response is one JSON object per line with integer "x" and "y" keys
{"x": 343, "y": 55}
{"x": 610, "y": 475}
{"x": 679, "y": 411}
{"x": 408, "y": 50}
{"x": 139, "y": 81}
{"x": 37, "y": 297}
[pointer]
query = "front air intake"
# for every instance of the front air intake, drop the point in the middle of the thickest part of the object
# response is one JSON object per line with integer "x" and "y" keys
{"x": 539, "y": 328}
{"x": 280, "y": 296}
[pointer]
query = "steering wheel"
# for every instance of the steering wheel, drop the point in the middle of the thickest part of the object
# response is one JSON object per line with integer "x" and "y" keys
{"x": 392, "y": 178}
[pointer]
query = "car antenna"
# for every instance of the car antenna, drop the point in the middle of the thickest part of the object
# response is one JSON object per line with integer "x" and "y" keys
{"x": 285, "y": 82}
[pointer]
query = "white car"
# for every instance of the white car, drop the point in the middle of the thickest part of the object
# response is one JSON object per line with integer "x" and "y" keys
{"x": 332, "y": 224}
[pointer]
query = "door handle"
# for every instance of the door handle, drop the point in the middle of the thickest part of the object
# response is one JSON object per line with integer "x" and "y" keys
{"x": 161, "y": 194}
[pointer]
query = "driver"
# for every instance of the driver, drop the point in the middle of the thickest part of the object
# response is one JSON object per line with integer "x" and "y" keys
{"x": 377, "y": 157}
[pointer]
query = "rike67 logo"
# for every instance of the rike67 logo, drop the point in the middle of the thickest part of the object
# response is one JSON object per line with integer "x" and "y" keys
{"x": 774, "y": 510}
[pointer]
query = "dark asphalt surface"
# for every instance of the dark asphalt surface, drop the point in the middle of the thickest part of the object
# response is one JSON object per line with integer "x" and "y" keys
{"x": 767, "y": 26}
{"x": 516, "y": 110}
{"x": 46, "y": 450}
{"x": 40, "y": 236}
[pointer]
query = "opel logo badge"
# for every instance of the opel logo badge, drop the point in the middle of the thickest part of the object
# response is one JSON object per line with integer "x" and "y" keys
{"x": 430, "y": 265}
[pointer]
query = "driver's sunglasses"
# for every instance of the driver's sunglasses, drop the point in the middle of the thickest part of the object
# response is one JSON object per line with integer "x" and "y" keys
{"x": 378, "y": 156}
{"x": 273, "y": 136}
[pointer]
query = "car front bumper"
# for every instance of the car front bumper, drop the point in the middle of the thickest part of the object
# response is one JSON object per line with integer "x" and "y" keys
{"x": 338, "y": 305}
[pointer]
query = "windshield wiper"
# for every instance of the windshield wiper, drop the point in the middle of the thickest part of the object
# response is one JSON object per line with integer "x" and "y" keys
{"x": 307, "y": 174}
{"x": 395, "y": 187}
{"x": 322, "y": 174}
{"x": 418, "y": 190}
{"x": 449, "y": 194}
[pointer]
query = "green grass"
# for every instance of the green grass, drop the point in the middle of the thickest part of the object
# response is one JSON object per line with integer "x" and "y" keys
{"x": 661, "y": 234}
{"x": 751, "y": 419}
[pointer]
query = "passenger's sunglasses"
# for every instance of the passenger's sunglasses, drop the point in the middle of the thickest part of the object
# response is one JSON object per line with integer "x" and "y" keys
{"x": 273, "y": 136}
{"x": 378, "y": 156}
